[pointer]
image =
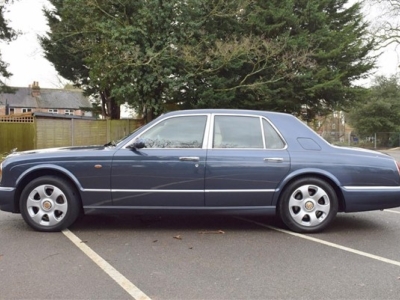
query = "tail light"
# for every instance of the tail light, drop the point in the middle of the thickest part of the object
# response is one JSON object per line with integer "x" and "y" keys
{"x": 398, "y": 166}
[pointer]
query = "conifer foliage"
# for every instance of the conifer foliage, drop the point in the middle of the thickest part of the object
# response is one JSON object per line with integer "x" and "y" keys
{"x": 296, "y": 56}
{"x": 7, "y": 34}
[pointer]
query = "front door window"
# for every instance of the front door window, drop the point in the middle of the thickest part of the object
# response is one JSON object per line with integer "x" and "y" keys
{"x": 178, "y": 132}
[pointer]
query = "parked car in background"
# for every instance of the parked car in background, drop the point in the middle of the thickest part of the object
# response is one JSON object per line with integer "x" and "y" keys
{"x": 207, "y": 161}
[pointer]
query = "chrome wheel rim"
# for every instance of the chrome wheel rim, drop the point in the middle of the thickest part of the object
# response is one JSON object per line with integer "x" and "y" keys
{"x": 309, "y": 205}
{"x": 47, "y": 205}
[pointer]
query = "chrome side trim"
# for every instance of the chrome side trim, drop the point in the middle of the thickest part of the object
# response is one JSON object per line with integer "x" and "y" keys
{"x": 96, "y": 190}
{"x": 241, "y": 191}
{"x": 179, "y": 191}
{"x": 156, "y": 191}
{"x": 349, "y": 188}
{"x": 372, "y": 188}
{"x": 6, "y": 189}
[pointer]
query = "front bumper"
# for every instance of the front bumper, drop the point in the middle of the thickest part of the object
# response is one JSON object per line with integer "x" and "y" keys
{"x": 7, "y": 199}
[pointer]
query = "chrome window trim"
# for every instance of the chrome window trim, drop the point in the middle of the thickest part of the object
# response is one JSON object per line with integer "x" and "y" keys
{"x": 207, "y": 115}
{"x": 211, "y": 135}
{"x": 277, "y": 131}
{"x": 261, "y": 118}
{"x": 209, "y": 129}
{"x": 263, "y": 133}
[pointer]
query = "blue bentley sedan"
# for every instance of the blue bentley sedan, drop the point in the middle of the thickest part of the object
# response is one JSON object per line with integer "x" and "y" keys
{"x": 207, "y": 161}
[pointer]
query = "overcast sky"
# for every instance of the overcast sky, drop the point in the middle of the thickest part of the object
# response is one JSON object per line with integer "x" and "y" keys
{"x": 24, "y": 55}
{"x": 26, "y": 61}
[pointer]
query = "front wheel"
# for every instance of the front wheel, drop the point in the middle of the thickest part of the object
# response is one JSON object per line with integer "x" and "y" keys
{"x": 49, "y": 203}
{"x": 308, "y": 205}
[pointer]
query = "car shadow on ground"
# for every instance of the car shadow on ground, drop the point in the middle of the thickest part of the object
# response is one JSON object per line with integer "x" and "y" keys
{"x": 168, "y": 222}
{"x": 213, "y": 223}
{"x": 356, "y": 222}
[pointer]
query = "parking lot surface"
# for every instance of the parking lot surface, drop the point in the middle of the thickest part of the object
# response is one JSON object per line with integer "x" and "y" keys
{"x": 202, "y": 257}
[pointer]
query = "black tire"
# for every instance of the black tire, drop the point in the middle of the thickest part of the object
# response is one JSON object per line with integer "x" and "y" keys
{"x": 49, "y": 203}
{"x": 308, "y": 205}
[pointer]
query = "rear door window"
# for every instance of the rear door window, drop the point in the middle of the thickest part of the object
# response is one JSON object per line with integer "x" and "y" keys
{"x": 237, "y": 132}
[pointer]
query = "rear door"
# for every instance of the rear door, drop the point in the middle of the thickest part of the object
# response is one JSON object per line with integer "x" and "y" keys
{"x": 245, "y": 163}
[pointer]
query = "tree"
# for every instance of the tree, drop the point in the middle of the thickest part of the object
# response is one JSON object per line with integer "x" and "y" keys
{"x": 381, "y": 112}
{"x": 386, "y": 26}
{"x": 229, "y": 61}
{"x": 312, "y": 52}
{"x": 7, "y": 34}
{"x": 69, "y": 60}
{"x": 291, "y": 56}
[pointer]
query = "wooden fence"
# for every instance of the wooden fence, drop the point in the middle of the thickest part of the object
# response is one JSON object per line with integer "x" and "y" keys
{"x": 42, "y": 132}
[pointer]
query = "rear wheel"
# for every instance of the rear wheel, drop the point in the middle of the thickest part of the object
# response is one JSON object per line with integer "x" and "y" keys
{"x": 308, "y": 205}
{"x": 49, "y": 203}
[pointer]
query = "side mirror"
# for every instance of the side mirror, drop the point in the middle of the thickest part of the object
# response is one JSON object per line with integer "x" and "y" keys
{"x": 138, "y": 144}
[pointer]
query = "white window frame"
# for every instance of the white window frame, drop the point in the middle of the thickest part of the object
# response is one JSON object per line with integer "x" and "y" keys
{"x": 25, "y": 110}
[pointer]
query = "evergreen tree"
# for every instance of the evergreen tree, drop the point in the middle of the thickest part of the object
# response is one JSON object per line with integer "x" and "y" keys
{"x": 380, "y": 113}
{"x": 291, "y": 56}
{"x": 7, "y": 34}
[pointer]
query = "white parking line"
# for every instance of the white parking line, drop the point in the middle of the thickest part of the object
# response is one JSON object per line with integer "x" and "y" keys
{"x": 319, "y": 241}
{"x": 392, "y": 211}
{"x": 128, "y": 286}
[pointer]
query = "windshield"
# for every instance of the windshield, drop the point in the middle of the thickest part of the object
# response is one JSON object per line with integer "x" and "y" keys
{"x": 120, "y": 141}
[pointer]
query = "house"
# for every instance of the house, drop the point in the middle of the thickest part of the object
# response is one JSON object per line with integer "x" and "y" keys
{"x": 334, "y": 128}
{"x": 36, "y": 99}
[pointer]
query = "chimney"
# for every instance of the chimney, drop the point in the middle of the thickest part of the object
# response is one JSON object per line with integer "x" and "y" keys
{"x": 35, "y": 89}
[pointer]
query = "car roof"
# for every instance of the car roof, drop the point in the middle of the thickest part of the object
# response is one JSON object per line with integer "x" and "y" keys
{"x": 226, "y": 111}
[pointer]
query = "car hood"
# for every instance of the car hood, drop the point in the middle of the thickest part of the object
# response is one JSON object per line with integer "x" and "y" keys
{"x": 58, "y": 150}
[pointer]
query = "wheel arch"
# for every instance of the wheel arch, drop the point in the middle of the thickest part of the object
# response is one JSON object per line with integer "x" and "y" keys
{"x": 44, "y": 170}
{"x": 329, "y": 178}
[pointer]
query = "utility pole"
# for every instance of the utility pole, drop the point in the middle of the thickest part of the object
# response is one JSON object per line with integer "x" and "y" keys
{"x": 7, "y": 108}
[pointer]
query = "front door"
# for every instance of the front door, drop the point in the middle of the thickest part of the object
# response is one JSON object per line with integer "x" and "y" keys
{"x": 169, "y": 171}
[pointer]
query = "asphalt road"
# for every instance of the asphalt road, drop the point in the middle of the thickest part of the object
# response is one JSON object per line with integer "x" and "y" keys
{"x": 203, "y": 258}
{"x": 214, "y": 257}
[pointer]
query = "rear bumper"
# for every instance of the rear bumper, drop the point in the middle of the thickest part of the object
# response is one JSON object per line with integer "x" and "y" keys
{"x": 371, "y": 198}
{"x": 7, "y": 199}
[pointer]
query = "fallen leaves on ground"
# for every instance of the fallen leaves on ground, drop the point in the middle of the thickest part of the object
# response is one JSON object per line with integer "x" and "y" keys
{"x": 212, "y": 232}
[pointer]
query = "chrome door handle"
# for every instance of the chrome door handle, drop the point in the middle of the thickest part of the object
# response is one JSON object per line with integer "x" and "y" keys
{"x": 189, "y": 158}
{"x": 274, "y": 159}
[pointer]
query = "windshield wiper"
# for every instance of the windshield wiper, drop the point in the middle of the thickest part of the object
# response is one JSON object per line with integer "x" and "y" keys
{"x": 110, "y": 144}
